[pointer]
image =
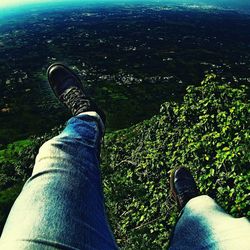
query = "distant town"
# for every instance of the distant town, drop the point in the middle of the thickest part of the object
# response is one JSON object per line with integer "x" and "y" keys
{"x": 131, "y": 60}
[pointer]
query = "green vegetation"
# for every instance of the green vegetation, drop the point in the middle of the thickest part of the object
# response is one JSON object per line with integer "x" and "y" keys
{"x": 208, "y": 133}
{"x": 10, "y": 159}
{"x": 132, "y": 57}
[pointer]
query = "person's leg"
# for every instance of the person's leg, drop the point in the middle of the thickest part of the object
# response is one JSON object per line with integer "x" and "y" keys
{"x": 202, "y": 224}
{"x": 61, "y": 206}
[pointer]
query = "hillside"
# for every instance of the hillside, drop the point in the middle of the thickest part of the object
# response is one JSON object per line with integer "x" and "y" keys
{"x": 134, "y": 55}
{"x": 208, "y": 133}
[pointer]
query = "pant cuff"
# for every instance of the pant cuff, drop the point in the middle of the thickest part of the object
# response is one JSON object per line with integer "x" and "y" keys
{"x": 97, "y": 118}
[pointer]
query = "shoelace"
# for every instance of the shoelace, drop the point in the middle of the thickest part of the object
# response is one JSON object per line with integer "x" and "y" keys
{"x": 75, "y": 100}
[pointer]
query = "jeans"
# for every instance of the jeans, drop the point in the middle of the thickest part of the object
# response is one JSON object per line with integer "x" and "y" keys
{"x": 61, "y": 205}
{"x": 203, "y": 224}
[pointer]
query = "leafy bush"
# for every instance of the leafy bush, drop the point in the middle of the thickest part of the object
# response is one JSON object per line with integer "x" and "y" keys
{"x": 10, "y": 160}
{"x": 208, "y": 133}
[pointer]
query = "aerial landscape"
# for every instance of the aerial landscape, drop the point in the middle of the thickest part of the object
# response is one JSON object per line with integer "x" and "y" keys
{"x": 127, "y": 56}
{"x": 136, "y": 59}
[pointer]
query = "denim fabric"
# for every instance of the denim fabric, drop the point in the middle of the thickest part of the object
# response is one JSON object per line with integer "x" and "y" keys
{"x": 204, "y": 225}
{"x": 61, "y": 206}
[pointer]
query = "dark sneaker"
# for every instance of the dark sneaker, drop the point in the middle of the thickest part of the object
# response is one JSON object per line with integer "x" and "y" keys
{"x": 68, "y": 89}
{"x": 183, "y": 186}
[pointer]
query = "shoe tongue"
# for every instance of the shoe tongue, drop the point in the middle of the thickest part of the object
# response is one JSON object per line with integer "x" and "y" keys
{"x": 66, "y": 86}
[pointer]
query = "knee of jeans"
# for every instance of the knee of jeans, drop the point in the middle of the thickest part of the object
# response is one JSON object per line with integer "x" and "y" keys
{"x": 63, "y": 149}
{"x": 48, "y": 145}
{"x": 201, "y": 204}
{"x": 53, "y": 154}
{"x": 57, "y": 147}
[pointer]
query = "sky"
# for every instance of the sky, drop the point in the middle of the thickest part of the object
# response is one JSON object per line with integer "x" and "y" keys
{"x": 4, "y": 3}
{"x": 225, "y": 3}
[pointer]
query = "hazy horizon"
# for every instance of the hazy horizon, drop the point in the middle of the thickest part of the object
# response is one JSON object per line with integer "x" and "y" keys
{"x": 9, "y": 7}
{"x": 225, "y": 3}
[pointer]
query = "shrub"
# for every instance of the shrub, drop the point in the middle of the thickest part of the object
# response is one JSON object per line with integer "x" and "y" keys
{"x": 208, "y": 133}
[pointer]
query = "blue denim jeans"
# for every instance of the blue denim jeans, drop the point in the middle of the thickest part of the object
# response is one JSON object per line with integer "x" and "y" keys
{"x": 203, "y": 224}
{"x": 62, "y": 207}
